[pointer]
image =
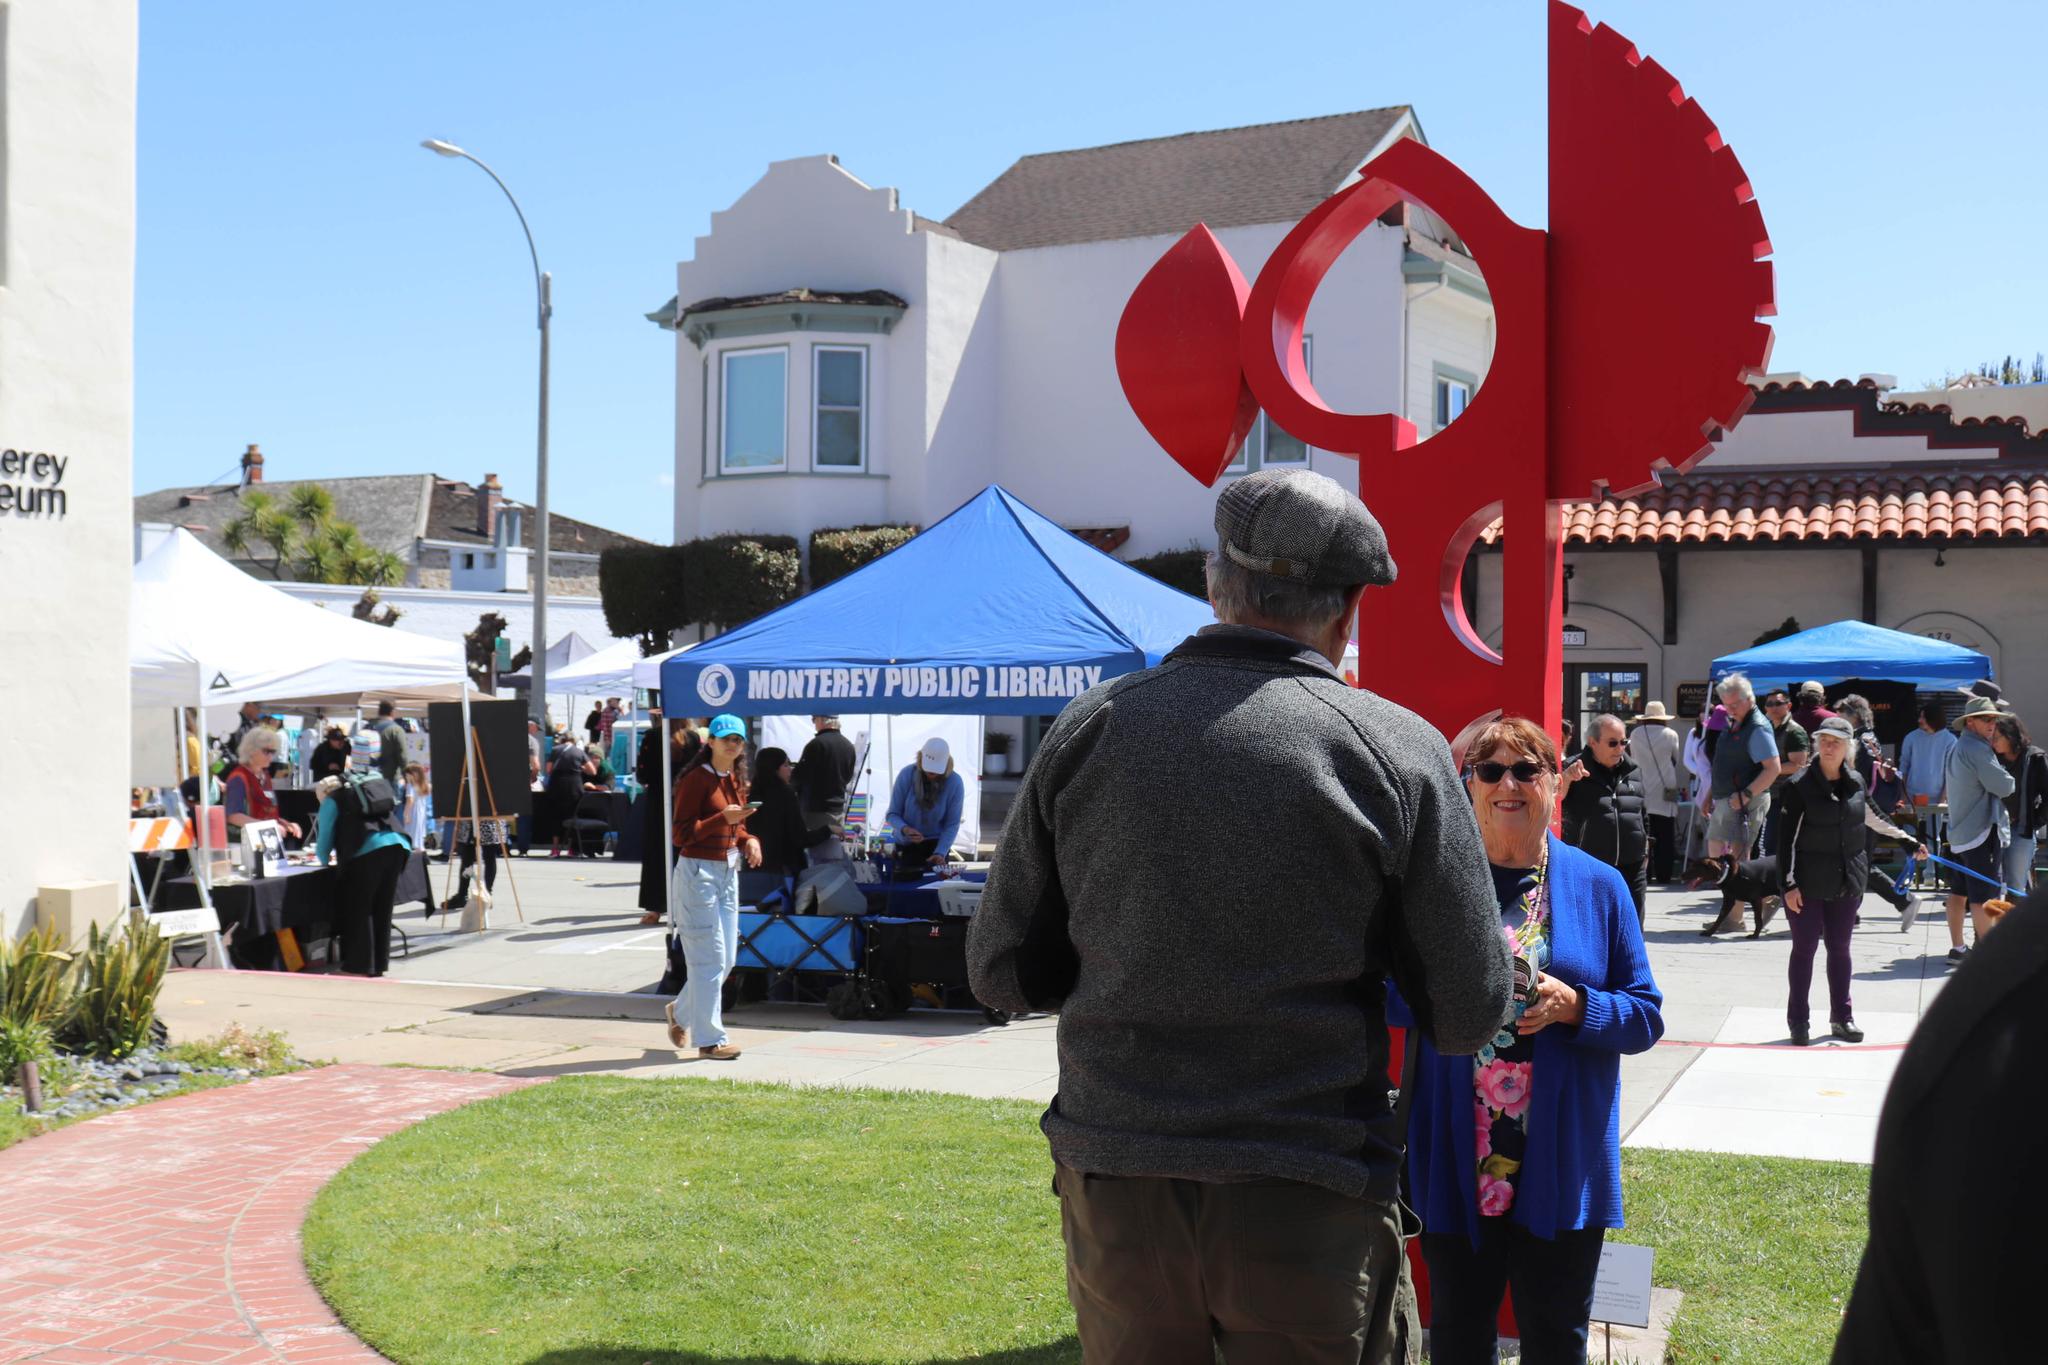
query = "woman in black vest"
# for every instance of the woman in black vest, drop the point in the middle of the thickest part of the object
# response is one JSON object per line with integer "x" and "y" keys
{"x": 1824, "y": 855}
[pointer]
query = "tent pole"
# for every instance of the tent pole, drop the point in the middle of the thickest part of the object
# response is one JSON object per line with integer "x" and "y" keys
{"x": 668, "y": 814}
{"x": 202, "y": 865}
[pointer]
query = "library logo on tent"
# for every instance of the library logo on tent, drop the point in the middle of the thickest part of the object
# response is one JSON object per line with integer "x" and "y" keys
{"x": 716, "y": 685}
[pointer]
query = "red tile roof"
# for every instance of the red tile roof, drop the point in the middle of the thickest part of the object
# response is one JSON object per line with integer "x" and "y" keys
{"x": 1875, "y": 415}
{"x": 1995, "y": 503}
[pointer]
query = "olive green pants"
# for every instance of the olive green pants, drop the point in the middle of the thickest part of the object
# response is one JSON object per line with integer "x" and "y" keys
{"x": 1180, "y": 1272}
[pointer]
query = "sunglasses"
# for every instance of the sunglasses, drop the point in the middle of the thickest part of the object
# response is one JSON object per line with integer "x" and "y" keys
{"x": 1525, "y": 771}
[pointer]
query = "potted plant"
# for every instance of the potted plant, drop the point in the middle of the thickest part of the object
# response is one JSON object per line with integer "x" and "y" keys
{"x": 996, "y": 747}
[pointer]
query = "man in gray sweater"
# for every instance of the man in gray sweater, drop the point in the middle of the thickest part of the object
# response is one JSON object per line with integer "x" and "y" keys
{"x": 1210, "y": 871}
{"x": 1978, "y": 824}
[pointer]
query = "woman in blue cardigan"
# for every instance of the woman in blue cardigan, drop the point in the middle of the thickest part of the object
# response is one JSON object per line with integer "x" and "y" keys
{"x": 1514, "y": 1156}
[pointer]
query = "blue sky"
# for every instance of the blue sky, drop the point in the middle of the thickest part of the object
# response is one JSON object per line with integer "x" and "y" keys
{"x": 310, "y": 279}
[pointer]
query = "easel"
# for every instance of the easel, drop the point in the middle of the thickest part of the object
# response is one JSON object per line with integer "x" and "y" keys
{"x": 478, "y": 918}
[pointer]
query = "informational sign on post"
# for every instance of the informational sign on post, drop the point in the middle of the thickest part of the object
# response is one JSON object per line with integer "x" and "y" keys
{"x": 1692, "y": 700}
{"x": 1621, "y": 1291}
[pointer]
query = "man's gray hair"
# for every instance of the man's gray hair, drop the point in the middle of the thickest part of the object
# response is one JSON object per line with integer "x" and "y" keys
{"x": 1736, "y": 685}
{"x": 1602, "y": 721}
{"x": 1239, "y": 593}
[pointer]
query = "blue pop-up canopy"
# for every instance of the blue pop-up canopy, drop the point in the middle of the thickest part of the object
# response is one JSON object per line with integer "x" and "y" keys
{"x": 1856, "y": 649}
{"x": 994, "y": 611}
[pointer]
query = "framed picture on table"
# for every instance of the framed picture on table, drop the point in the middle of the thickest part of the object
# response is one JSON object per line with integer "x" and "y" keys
{"x": 262, "y": 848}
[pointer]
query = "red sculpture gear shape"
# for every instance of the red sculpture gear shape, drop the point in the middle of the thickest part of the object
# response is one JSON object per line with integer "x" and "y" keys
{"x": 1656, "y": 268}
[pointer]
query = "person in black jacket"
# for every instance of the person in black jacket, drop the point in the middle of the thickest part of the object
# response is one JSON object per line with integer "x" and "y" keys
{"x": 1880, "y": 790}
{"x": 2028, "y": 804}
{"x": 684, "y": 743}
{"x": 1824, "y": 858}
{"x": 824, "y": 775}
{"x": 1602, "y": 806}
{"x": 779, "y": 824}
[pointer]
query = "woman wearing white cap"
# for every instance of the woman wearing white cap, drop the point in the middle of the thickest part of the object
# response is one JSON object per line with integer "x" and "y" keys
{"x": 925, "y": 807}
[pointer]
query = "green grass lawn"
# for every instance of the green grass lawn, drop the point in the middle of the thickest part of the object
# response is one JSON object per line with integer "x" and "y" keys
{"x": 598, "y": 1221}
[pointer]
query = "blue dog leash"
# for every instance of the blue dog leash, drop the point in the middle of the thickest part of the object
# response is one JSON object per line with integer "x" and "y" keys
{"x": 2004, "y": 891}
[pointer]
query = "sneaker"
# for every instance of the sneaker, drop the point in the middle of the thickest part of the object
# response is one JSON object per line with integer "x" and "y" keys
{"x": 1909, "y": 913}
{"x": 1958, "y": 954}
{"x": 1846, "y": 1030}
{"x": 676, "y": 1035}
{"x": 724, "y": 1052}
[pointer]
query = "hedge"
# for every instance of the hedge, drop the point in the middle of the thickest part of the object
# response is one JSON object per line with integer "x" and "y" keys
{"x": 1177, "y": 569}
{"x": 651, "y": 590}
{"x": 838, "y": 552}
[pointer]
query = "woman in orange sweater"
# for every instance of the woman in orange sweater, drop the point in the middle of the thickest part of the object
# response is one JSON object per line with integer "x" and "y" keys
{"x": 711, "y": 839}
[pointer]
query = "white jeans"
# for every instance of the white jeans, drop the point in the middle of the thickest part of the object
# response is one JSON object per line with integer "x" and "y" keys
{"x": 706, "y": 911}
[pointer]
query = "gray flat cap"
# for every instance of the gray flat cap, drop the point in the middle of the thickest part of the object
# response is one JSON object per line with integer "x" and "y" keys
{"x": 1303, "y": 526}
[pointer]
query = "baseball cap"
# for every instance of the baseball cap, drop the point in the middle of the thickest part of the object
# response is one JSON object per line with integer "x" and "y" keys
{"x": 727, "y": 726}
{"x": 1811, "y": 689}
{"x": 934, "y": 756}
{"x": 1717, "y": 719}
{"x": 1836, "y": 726}
{"x": 1304, "y": 526}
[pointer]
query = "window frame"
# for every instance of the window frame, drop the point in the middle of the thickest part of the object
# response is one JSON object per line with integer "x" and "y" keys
{"x": 725, "y": 359}
{"x": 818, "y": 407}
{"x": 1442, "y": 378}
{"x": 1251, "y": 456}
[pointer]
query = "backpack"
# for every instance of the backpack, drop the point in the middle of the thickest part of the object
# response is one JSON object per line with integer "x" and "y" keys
{"x": 364, "y": 804}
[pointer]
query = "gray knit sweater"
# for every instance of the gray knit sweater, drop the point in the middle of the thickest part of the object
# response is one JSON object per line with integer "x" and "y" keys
{"x": 1210, "y": 870}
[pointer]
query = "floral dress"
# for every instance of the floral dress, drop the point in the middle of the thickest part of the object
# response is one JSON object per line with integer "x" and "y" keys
{"x": 1501, "y": 1069}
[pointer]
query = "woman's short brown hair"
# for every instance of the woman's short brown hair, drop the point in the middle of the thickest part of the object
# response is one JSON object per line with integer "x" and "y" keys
{"x": 1517, "y": 733}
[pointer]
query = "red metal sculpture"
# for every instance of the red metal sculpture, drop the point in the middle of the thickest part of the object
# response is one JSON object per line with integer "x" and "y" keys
{"x": 1624, "y": 337}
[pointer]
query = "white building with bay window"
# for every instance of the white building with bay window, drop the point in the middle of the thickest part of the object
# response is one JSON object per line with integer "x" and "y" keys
{"x": 842, "y": 360}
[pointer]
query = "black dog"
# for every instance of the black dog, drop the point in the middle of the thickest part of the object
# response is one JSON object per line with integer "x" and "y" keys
{"x": 1739, "y": 880}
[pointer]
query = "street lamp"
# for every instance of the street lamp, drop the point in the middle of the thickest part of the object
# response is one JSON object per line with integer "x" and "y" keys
{"x": 543, "y": 286}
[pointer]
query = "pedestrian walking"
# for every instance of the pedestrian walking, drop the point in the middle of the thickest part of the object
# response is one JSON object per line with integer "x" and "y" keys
{"x": 1824, "y": 857}
{"x": 1746, "y": 763}
{"x": 712, "y": 840}
{"x": 1602, "y": 807}
{"x": 1978, "y": 824}
{"x": 1226, "y": 1157}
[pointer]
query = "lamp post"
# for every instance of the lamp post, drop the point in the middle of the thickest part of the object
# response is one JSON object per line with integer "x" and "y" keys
{"x": 537, "y": 701}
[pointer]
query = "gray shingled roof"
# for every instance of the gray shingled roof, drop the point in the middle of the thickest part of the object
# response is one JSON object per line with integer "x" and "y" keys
{"x": 1268, "y": 173}
{"x": 392, "y": 511}
{"x": 388, "y": 509}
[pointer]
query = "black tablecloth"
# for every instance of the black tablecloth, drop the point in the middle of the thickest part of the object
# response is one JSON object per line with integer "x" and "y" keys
{"x": 301, "y": 898}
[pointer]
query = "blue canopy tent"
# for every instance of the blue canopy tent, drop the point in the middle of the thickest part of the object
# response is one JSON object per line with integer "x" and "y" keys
{"x": 994, "y": 611}
{"x": 1856, "y": 649}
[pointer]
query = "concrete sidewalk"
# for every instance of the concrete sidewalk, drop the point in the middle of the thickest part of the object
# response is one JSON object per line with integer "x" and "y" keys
{"x": 560, "y": 994}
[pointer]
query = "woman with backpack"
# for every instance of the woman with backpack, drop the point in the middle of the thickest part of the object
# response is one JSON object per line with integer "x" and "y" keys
{"x": 359, "y": 823}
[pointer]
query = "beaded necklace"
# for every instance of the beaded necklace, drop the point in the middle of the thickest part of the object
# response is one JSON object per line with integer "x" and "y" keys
{"x": 1535, "y": 908}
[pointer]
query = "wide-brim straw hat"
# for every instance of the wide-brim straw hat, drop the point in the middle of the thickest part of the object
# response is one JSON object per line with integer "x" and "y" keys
{"x": 1655, "y": 711}
{"x": 1976, "y": 706}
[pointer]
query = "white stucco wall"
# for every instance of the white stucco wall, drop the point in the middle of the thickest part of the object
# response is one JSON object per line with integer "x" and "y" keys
{"x": 445, "y": 614}
{"x": 1823, "y": 438}
{"x": 67, "y": 267}
{"x": 1003, "y": 366}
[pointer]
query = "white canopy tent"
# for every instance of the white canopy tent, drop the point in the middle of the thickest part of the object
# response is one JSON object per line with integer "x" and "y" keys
{"x": 617, "y": 666}
{"x": 204, "y": 634}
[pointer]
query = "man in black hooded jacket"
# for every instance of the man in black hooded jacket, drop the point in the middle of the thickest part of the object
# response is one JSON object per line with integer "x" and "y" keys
{"x": 1602, "y": 806}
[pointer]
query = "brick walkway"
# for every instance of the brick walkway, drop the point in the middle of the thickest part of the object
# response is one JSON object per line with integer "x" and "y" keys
{"x": 170, "y": 1232}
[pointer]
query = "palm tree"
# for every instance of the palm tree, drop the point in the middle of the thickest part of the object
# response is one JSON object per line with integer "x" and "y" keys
{"x": 262, "y": 521}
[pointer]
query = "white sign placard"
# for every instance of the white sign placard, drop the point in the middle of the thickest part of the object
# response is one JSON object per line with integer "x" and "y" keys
{"x": 178, "y": 923}
{"x": 1621, "y": 1291}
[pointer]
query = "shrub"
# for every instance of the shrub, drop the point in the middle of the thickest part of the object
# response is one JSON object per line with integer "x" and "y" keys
{"x": 124, "y": 971}
{"x": 837, "y": 553}
{"x": 642, "y": 590}
{"x": 650, "y": 590}
{"x": 38, "y": 980}
{"x": 730, "y": 579}
{"x": 1177, "y": 569}
{"x": 22, "y": 1041}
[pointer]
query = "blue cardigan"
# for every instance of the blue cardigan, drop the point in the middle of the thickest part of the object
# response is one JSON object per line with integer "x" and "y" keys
{"x": 1571, "y": 1171}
